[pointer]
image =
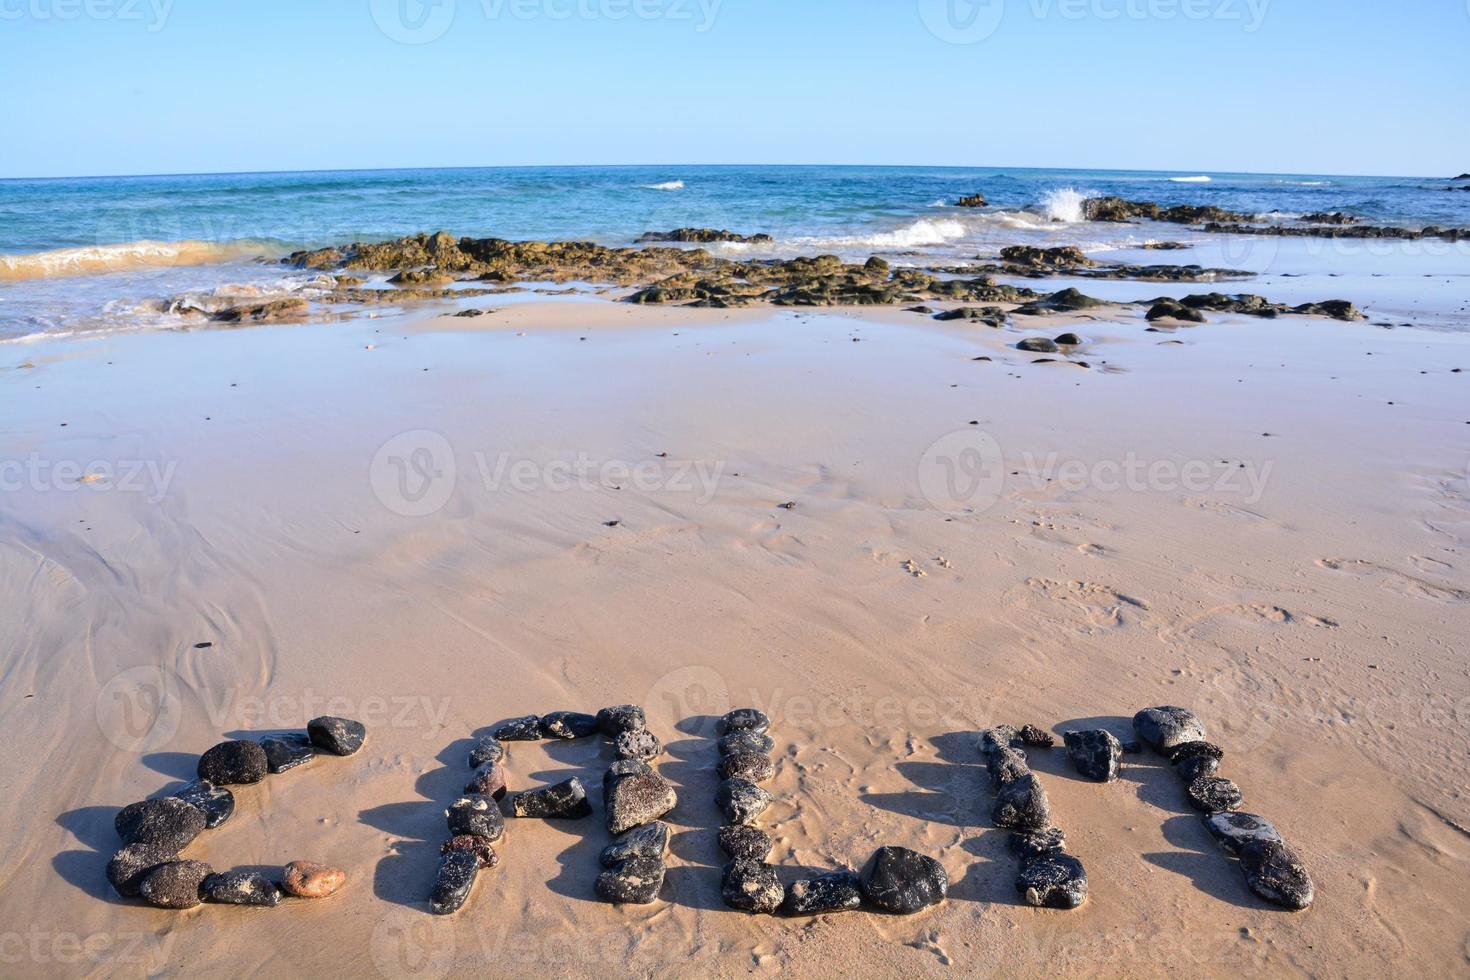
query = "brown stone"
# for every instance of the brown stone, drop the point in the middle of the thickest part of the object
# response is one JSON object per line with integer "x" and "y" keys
{"x": 307, "y": 879}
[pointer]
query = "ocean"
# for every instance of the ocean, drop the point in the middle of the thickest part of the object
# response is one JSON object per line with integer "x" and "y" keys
{"x": 97, "y": 254}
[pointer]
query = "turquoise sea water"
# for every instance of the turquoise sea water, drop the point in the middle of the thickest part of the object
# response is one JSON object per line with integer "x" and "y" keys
{"x": 92, "y": 252}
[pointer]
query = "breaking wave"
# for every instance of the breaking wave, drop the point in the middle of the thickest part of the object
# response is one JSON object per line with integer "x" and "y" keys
{"x": 92, "y": 259}
{"x": 1191, "y": 180}
{"x": 1064, "y": 204}
{"x": 668, "y": 185}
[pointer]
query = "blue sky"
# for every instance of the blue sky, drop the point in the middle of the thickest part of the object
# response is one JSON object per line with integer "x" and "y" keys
{"x": 162, "y": 86}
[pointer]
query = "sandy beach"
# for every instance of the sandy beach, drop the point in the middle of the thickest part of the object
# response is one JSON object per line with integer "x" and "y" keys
{"x": 432, "y": 524}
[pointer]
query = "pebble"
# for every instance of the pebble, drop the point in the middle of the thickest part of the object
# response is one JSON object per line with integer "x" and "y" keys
{"x": 902, "y": 881}
{"x": 1233, "y": 830}
{"x": 649, "y": 841}
{"x": 486, "y": 749}
{"x": 339, "y": 736}
{"x": 131, "y": 864}
{"x": 1037, "y": 842}
{"x": 1211, "y": 794}
{"x": 743, "y": 843}
{"x": 754, "y": 766}
{"x": 1038, "y": 345}
{"x": 233, "y": 762}
{"x": 527, "y": 729}
{"x": 1053, "y": 881}
{"x": 737, "y": 742}
{"x": 751, "y": 886}
{"x": 1276, "y": 873}
{"x": 453, "y": 881}
{"x": 621, "y": 718}
{"x": 480, "y": 847}
{"x": 634, "y": 881}
{"x": 1067, "y": 340}
{"x": 636, "y": 800}
{"x": 637, "y": 744}
{"x": 240, "y": 888}
{"x": 1094, "y": 754}
{"x": 167, "y": 823}
{"x": 1037, "y": 738}
{"x": 1006, "y": 765}
{"x": 175, "y": 885}
{"x": 286, "y": 752}
{"x": 488, "y": 780}
{"x": 1022, "y": 805}
{"x": 741, "y": 800}
{"x": 743, "y": 720}
{"x": 215, "y": 802}
{"x": 566, "y": 800}
{"x": 307, "y": 879}
{"x": 477, "y": 815}
{"x": 1167, "y": 727}
{"x": 568, "y": 725}
{"x": 836, "y": 891}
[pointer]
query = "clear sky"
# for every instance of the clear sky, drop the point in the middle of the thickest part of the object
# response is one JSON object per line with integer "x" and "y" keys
{"x": 1303, "y": 86}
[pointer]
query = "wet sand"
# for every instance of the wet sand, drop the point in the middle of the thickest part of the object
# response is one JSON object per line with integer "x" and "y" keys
{"x": 1290, "y": 564}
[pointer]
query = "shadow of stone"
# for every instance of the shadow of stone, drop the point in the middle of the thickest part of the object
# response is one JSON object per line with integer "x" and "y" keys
{"x": 174, "y": 765}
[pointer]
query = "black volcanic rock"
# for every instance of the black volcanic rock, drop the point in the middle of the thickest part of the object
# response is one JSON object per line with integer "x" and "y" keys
{"x": 339, "y": 736}
{"x": 566, "y": 800}
{"x": 234, "y": 762}
{"x": 1094, "y": 754}
{"x": 1276, "y": 873}
{"x": 1053, "y": 880}
{"x": 901, "y": 881}
{"x": 836, "y": 891}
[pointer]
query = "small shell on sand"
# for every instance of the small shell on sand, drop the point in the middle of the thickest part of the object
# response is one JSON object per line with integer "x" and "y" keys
{"x": 307, "y": 879}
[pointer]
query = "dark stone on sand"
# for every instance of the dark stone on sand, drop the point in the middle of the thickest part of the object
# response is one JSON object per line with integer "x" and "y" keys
{"x": 754, "y": 766}
{"x": 1193, "y": 760}
{"x": 741, "y": 800}
{"x": 1057, "y": 259}
{"x": 743, "y": 720}
{"x": 1022, "y": 805}
{"x": 836, "y": 891}
{"x": 745, "y": 843}
{"x": 1276, "y": 873}
{"x": 1038, "y": 738}
{"x": 1037, "y": 345}
{"x": 750, "y": 886}
{"x": 971, "y": 201}
{"x": 737, "y": 742}
{"x": 1063, "y": 301}
{"x": 1032, "y": 843}
{"x": 481, "y": 847}
{"x": 1006, "y": 765}
{"x": 339, "y": 736}
{"x": 488, "y": 780}
{"x": 1211, "y": 794}
{"x": 234, "y": 762}
{"x": 452, "y": 884}
{"x": 620, "y": 718}
{"x": 286, "y": 752}
{"x": 1168, "y": 309}
{"x": 175, "y": 885}
{"x": 566, "y": 800}
{"x": 901, "y": 881}
{"x": 926, "y": 310}
{"x": 486, "y": 749}
{"x": 167, "y": 822}
{"x": 1067, "y": 340}
{"x": 641, "y": 744}
{"x": 568, "y": 725}
{"x": 636, "y": 800}
{"x": 1165, "y": 728}
{"x": 1233, "y": 829}
{"x": 477, "y": 815}
{"x": 1052, "y": 881}
{"x": 240, "y": 888}
{"x": 991, "y": 315}
{"x": 1094, "y": 754}
{"x": 633, "y": 881}
{"x": 215, "y": 802}
{"x": 648, "y": 841}
{"x": 527, "y": 729}
{"x": 621, "y": 769}
{"x": 131, "y": 864}
{"x": 999, "y": 737}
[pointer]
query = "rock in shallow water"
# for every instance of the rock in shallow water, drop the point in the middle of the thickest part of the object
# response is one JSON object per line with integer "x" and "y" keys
{"x": 339, "y": 736}
{"x": 486, "y": 749}
{"x": 620, "y": 718}
{"x": 175, "y": 885}
{"x": 651, "y": 841}
{"x": 902, "y": 881}
{"x": 568, "y": 725}
{"x": 453, "y": 882}
{"x": 636, "y": 800}
{"x": 1052, "y": 880}
{"x": 307, "y": 879}
{"x": 743, "y": 720}
{"x": 1233, "y": 830}
{"x": 285, "y": 752}
{"x": 566, "y": 800}
{"x": 750, "y": 886}
{"x": 1167, "y": 727}
{"x": 167, "y": 823}
{"x": 233, "y": 762}
{"x": 637, "y": 744}
{"x": 488, "y": 780}
{"x": 1211, "y": 794}
{"x": 1276, "y": 873}
{"x": 240, "y": 888}
{"x": 1094, "y": 754}
{"x": 754, "y": 766}
{"x": 836, "y": 891}
{"x": 737, "y": 742}
{"x": 215, "y": 802}
{"x": 1022, "y": 805}
{"x": 744, "y": 843}
{"x": 527, "y": 729}
{"x": 633, "y": 881}
{"x": 475, "y": 814}
{"x": 741, "y": 800}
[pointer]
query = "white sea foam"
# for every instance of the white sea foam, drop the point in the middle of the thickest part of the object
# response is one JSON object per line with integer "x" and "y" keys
{"x": 92, "y": 259}
{"x": 1202, "y": 179}
{"x": 1064, "y": 204}
{"x": 925, "y": 231}
{"x": 668, "y": 185}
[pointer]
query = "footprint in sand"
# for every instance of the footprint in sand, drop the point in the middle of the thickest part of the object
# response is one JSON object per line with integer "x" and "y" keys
{"x": 1248, "y": 614}
{"x": 1098, "y": 606}
{"x": 1394, "y": 580}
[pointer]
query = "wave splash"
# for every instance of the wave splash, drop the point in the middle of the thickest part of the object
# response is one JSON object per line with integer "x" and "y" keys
{"x": 1064, "y": 204}
{"x": 93, "y": 259}
{"x": 1191, "y": 180}
{"x": 668, "y": 185}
